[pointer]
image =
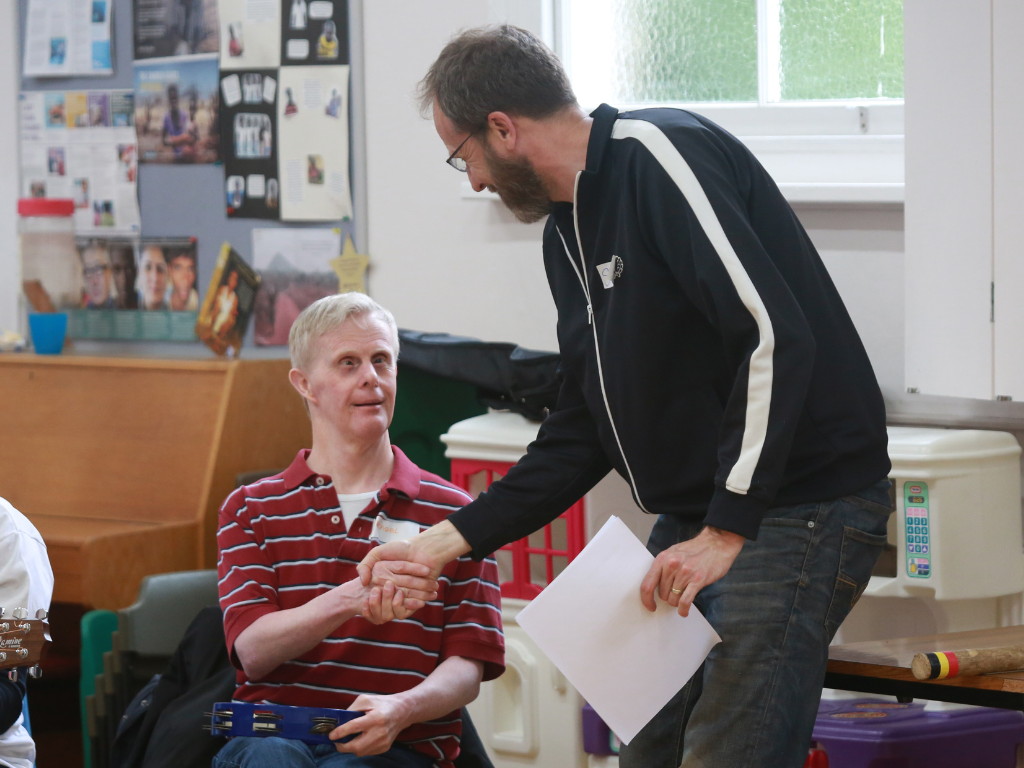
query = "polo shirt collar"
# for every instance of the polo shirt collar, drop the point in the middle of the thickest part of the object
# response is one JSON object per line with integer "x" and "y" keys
{"x": 405, "y": 476}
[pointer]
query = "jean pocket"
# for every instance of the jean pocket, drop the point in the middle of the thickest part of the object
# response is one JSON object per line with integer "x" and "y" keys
{"x": 859, "y": 553}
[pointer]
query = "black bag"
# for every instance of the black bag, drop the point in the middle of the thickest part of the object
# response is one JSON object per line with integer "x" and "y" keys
{"x": 163, "y": 724}
{"x": 506, "y": 376}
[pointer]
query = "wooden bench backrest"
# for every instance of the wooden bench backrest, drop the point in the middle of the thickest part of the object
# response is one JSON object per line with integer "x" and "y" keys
{"x": 109, "y": 439}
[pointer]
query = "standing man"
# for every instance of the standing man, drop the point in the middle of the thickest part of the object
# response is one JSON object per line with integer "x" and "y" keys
{"x": 708, "y": 359}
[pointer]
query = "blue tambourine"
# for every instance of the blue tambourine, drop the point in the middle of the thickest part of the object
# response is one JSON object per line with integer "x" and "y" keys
{"x": 308, "y": 724}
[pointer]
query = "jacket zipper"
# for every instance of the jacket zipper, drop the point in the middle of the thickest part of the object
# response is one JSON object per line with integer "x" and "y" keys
{"x": 585, "y": 285}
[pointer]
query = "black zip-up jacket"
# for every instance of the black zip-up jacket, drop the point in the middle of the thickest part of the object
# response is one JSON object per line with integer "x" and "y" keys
{"x": 718, "y": 372}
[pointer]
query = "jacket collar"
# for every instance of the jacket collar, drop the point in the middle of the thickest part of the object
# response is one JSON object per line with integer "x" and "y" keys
{"x": 600, "y": 134}
{"x": 404, "y": 480}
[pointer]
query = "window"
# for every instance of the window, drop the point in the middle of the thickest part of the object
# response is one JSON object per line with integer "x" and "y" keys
{"x": 813, "y": 87}
{"x": 735, "y": 51}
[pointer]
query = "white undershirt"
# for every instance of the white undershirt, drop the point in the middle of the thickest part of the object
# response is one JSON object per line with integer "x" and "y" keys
{"x": 354, "y": 503}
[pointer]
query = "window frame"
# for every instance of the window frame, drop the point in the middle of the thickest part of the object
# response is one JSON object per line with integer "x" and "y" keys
{"x": 847, "y": 151}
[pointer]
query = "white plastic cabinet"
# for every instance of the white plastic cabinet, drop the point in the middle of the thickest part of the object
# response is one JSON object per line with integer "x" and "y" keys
{"x": 530, "y": 716}
{"x": 957, "y": 525}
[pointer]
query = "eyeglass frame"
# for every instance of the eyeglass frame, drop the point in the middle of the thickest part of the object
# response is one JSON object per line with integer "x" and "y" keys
{"x": 453, "y": 160}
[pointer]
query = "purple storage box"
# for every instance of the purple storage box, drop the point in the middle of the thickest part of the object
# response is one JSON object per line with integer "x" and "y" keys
{"x": 598, "y": 738}
{"x": 871, "y": 733}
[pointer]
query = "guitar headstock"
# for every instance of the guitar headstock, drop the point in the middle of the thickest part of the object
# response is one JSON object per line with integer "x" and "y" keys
{"x": 23, "y": 640}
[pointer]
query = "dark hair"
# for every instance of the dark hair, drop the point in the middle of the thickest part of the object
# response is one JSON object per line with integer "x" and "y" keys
{"x": 495, "y": 69}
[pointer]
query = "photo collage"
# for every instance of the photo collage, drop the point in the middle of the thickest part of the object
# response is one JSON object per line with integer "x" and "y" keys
{"x": 137, "y": 289}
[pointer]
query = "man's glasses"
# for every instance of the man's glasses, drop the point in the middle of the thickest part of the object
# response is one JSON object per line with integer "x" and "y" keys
{"x": 458, "y": 163}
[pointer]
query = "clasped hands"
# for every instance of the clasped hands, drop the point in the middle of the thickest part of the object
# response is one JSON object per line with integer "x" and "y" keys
{"x": 395, "y": 589}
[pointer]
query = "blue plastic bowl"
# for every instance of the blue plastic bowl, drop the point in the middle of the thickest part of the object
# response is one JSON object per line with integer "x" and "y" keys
{"x": 48, "y": 330}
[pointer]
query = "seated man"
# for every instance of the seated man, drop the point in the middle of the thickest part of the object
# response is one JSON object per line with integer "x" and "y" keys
{"x": 26, "y": 581}
{"x": 299, "y": 624}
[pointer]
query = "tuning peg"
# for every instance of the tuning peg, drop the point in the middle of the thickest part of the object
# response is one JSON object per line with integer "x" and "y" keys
{"x": 12, "y": 675}
{"x": 22, "y": 653}
{"x": 20, "y": 613}
{"x": 1, "y": 613}
{"x": 43, "y": 614}
{"x": 4, "y": 626}
{"x": 35, "y": 672}
{"x": 3, "y": 656}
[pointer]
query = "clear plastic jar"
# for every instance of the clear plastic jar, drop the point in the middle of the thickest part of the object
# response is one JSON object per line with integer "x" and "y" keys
{"x": 48, "y": 253}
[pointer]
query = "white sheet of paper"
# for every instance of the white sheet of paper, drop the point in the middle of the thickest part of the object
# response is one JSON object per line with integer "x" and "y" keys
{"x": 624, "y": 660}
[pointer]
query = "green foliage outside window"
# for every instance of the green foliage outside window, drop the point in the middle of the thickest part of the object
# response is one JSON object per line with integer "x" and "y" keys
{"x": 707, "y": 50}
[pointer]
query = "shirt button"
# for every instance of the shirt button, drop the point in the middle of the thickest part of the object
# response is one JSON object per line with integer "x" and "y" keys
{"x": 335, "y": 519}
{"x": 319, "y": 481}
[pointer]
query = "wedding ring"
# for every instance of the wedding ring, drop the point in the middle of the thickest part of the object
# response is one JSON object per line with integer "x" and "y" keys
{"x": 675, "y": 591}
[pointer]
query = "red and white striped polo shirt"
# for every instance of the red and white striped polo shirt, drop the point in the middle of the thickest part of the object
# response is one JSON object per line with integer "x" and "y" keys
{"x": 283, "y": 541}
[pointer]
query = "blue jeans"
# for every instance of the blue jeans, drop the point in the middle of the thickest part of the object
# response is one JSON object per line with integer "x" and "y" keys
{"x": 753, "y": 702}
{"x": 275, "y": 752}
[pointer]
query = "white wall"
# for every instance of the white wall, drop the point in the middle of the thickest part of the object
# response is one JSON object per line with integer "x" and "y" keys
{"x": 444, "y": 263}
{"x": 10, "y": 270}
{"x": 862, "y": 247}
{"x": 441, "y": 263}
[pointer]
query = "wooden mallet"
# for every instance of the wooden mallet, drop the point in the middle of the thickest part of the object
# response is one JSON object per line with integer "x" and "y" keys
{"x": 942, "y": 665}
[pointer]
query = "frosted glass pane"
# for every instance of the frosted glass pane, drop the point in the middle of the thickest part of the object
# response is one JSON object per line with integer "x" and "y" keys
{"x": 684, "y": 50}
{"x": 841, "y": 49}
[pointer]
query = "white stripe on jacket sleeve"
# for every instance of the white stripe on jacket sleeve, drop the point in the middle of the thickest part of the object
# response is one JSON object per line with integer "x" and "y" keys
{"x": 759, "y": 380}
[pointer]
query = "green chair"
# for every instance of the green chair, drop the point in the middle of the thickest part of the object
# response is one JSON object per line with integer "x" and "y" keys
{"x": 98, "y": 628}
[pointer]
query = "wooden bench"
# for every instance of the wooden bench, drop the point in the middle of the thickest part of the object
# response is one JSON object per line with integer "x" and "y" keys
{"x": 122, "y": 464}
{"x": 883, "y": 667}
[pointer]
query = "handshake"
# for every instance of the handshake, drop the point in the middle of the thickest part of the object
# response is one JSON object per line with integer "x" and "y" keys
{"x": 400, "y": 577}
{"x": 395, "y": 590}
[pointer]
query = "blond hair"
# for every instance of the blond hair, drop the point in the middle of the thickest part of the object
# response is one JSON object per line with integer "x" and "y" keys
{"x": 328, "y": 313}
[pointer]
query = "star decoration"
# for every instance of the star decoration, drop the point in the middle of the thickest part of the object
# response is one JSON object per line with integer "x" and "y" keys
{"x": 350, "y": 268}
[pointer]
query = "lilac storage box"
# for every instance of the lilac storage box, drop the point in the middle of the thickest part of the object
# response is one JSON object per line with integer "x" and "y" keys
{"x": 870, "y": 733}
{"x": 598, "y": 738}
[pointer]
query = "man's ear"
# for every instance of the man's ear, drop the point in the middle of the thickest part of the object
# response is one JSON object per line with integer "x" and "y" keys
{"x": 502, "y": 133}
{"x": 298, "y": 379}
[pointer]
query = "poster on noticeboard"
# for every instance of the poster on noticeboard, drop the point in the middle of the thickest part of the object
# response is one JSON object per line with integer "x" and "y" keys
{"x": 137, "y": 290}
{"x": 81, "y": 145}
{"x": 177, "y": 110}
{"x": 250, "y": 139}
{"x": 174, "y": 28}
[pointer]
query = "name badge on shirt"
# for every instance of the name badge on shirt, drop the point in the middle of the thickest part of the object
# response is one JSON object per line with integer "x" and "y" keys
{"x": 385, "y": 530}
{"x": 609, "y": 271}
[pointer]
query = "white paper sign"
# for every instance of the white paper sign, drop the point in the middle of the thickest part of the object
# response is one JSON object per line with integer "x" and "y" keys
{"x": 67, "y": 37}
{"x": 298, "y": 49}
{"x": 256, "y": 185}
{"x": 321, "y": 9}
{"x": 269, "y": 89}
{"x": 624, "y": 660}
{"x": 232, "y": 90}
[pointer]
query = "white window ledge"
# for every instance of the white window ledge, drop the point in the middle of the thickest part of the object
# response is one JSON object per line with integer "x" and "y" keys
{"x": 888, "y": 193}
{"x": 883, "y": 193}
